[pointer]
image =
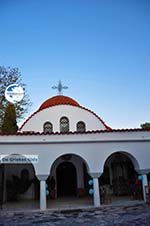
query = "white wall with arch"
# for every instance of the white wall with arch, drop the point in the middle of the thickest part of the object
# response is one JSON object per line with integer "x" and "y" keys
{"x": 94, "y": 154}
{"x": 54, "y": 114}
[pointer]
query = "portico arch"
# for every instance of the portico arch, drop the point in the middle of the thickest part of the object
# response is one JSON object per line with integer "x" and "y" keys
{"x": 119, "y": 174}
{"x": 69, "y": 166}
{"x": 18, "y": 180}
{"x": 127, "y": 154}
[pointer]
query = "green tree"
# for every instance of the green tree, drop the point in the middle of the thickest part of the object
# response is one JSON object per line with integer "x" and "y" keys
{"x": 9, "y": 123}
{"x": 9, "y": 76}
{"x": 145, "y": 125}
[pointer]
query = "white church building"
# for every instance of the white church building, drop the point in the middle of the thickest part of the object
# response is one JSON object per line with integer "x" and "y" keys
{"x": 73, "y": 146}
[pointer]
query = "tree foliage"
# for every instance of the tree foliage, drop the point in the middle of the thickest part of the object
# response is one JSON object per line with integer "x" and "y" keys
{"x": 9, "y": 123}
{"x": 9, "y": 76}
{"x": 145, "y": 125}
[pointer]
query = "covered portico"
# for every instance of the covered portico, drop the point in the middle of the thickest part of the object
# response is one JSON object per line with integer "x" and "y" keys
{"x": 91, "y": 148}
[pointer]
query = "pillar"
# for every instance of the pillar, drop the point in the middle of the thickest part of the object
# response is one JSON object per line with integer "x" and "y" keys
{"x": 144, "y": 183}
{"x": 96, "y": 195}
{"x": 43, "y": 202}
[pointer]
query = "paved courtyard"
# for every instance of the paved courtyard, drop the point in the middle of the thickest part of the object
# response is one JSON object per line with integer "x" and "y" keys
{"x": 119, "y": 215}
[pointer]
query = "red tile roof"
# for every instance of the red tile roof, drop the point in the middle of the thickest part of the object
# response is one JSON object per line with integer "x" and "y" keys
{"x": 58, "y": 100}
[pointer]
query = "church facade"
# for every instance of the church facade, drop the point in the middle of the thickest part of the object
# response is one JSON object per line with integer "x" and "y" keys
{"x": 73, "y": 146}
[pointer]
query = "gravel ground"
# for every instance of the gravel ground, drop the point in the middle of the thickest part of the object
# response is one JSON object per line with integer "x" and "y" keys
{"x": 103, "y": 216}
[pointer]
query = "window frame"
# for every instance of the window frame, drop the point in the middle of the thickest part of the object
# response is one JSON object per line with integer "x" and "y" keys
{"x": 62, "y": 130}
{"x": 77, "y": 127}
{"x": 47, "y": 122}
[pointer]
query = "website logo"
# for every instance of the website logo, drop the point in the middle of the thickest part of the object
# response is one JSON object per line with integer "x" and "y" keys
{"x": 14, "y": 93}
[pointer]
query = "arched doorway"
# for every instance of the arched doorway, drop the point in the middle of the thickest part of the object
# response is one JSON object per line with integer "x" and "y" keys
{"x": 66, "y": 179}
{"x": 119, "y": 176}
{"x": 18, "y": 183}
{"x": 1, "y": 184}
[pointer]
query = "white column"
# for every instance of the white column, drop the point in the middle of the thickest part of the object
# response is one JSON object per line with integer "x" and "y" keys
{"x": 96, "y": 189}
{"x": 42, "y": 194}
{"x": 43, "y": 202}
{"x": 96, "y": 192}
{"x": 144, "y": 183}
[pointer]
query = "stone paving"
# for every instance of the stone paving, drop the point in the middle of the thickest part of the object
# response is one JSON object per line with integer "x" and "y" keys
{"x": 108, "y": 215}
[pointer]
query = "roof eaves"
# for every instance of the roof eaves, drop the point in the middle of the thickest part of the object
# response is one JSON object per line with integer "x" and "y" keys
{"x": 30, "y": 133}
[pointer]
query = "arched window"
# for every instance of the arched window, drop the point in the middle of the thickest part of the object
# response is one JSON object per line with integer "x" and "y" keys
{"x": 48, "y": 127}
{"x": 64, "y": 125}
{"x": 80, "y": 127}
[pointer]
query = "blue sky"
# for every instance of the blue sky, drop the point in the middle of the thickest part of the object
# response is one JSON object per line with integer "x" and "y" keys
{"x": 99, "y": 48}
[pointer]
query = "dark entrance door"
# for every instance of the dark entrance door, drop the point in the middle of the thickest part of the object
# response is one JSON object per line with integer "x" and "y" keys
{"x": 66, "y": 180}
{"x": 1, "y": 184}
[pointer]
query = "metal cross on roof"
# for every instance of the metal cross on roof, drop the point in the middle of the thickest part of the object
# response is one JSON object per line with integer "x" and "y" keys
{"x": 60, "y": 87}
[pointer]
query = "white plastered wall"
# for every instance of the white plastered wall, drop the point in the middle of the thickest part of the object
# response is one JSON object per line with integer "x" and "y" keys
{"x": 94, "y": 149}
{"x": 54, "y": 113}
